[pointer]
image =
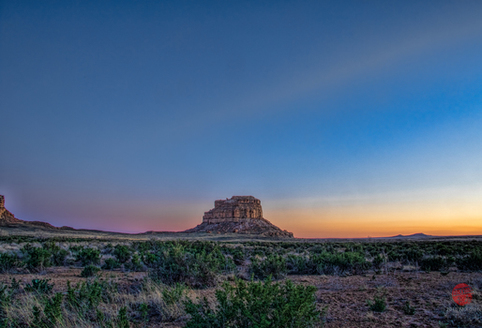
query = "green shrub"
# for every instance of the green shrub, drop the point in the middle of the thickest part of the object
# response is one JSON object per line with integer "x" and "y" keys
{"x": 135, "y": 264}
{"x": 340, "y": 263}
{"x": 378, "y": 304}
{"x": 76, "y": 249}
{"x": 40, "y": 286}
{"x": 50, "y": 245}
{"x": 89, "y": 271}
{"x": 297, "y": 264}
{"x": 257, "y": 304}
{"x": 122, "y": 319}
{"x": 37, "y": 318}
{"x": 111, "y": 264}
{"x": 378, "y": 261}
{"x": 8, "y": 262}
{"x": 122, "y": 253}
{"x": 472, "y": 262}
{"x": 14, "y": 286}
{"x": 238, "y": 255}
{"x": 413, "y": 254}
{"x": 174, "y": 294}
{"x": 194, "y": 267}
{"x": 53, "y": 311}
{"x": 318, "y": 249}
{"x": 444, "y": 250}
{"x": 394, "y": 255}
{"x": 58, "y": 254}
{"x": 144, "y": 313}
{"x": 433, "y": 263}
{"x": 36, "y": 258}
{"x": 408, "y": 309}
{"x": 88, "y": 256}
{"x": 108, "y": 249}
{"x": 273, "y": 265}
{"x": 86, "y": 296}
{"x": 258, "y": 252}
{"x": 150, "y": 259}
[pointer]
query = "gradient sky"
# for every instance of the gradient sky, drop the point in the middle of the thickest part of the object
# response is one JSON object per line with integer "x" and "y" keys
{"x": 346, "y": 118}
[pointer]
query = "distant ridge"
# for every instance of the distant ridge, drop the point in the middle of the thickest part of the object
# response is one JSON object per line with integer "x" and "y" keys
{"x": 415, "y": 235}
{"x": 7, "y": 219}
{"x": 240, "y": 215}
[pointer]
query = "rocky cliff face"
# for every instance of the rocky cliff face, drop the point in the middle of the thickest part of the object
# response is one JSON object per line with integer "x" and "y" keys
{"x": 239, "y": 214}
{"x": 235, "y": 209}
{"x": 5, "y": 216}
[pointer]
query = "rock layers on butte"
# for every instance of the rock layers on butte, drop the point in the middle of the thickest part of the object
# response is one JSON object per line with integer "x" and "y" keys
{"x": 239, "y": 214}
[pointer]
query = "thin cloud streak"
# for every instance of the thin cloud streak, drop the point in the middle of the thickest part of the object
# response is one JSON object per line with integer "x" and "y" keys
{"x": 328, "y": 81}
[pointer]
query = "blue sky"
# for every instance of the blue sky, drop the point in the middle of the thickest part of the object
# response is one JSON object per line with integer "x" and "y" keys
{"x": 134, "y": 116}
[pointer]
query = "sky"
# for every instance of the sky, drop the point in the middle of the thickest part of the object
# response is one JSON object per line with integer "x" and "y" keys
{"x": 345, "y": 118}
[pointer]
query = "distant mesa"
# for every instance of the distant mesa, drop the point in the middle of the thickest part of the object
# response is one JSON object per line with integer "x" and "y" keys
{"x": 239, "y": 214}
{"x": 415, "y": 235}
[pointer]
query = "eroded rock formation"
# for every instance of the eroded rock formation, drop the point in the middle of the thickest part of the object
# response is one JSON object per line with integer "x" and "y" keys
{"x": 239, "y": 214}
{"x": 8, "y": 219}
{"x": 5, "y": 216}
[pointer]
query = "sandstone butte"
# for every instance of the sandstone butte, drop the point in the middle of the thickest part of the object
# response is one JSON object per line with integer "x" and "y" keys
{"x": 239, "y": 214}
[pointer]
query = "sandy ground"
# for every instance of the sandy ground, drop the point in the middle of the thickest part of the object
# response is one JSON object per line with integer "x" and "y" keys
{"x": 429, "y": 293}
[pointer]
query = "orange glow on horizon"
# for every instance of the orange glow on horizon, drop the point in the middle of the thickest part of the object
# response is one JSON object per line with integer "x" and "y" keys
{"x": 307, "y": 220}
{"x": 377, "y": 221}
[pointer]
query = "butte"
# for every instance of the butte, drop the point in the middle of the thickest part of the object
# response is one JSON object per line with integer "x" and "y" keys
{"x": 239, "y": 214}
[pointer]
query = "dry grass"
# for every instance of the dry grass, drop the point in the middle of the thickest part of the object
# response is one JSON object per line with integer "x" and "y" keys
{"x": 20, "y": 310}
{"x": 470, "y": 314}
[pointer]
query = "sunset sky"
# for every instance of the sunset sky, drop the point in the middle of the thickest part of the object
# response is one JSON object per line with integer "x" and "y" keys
{"x": 346, "y": 118}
